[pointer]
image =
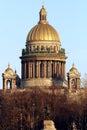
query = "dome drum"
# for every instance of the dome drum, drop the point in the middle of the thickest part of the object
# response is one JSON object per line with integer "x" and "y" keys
{"x": 43, "y": 50}
{"x": 41, "y": 47}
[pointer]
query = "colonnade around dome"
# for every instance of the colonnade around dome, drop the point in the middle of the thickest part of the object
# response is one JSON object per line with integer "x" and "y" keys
{"x": 43, "y": 69}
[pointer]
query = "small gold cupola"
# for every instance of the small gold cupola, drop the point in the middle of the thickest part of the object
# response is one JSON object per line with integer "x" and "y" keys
{"x": 43, "y": 15}
{"x": 9, "y": 78}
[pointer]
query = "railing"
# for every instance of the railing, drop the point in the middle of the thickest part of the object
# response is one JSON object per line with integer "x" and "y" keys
{"x": 26, "y": 52}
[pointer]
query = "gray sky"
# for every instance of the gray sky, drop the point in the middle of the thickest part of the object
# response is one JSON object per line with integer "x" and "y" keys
{"x": 69, "y": 18}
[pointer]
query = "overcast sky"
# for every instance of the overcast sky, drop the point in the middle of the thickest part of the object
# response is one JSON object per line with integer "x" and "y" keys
{"x": 17, "y": 17}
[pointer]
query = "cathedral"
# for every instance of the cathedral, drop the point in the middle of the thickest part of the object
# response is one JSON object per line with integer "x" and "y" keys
{"x": 43, "y": 61}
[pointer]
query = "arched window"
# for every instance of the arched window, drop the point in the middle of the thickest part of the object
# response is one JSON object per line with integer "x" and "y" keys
{"x": 38, "y": 48}
{"x": 42, "y": 48}
{"x": 34, "y": 48}
{"x": 42, "y": 70}
{"x": 73, "y": 83}
{"x": 9, "y": 84}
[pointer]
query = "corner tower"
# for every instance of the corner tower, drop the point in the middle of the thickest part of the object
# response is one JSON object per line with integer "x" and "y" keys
{"x": 43, "y": 60}
{"x": 9, "y": 79}
{"x": 73, "y": 78}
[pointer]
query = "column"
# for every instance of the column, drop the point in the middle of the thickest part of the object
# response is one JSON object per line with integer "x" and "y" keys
{"x": 49, "y": 71}
{"x": 70, "y": 83}
{"x": 44, "y": 69}
{"x": 29, "y": 69}
{"x": 50, "y": 68}
{"x": 33, "y": 69}
{"x": 64, "y": 71}
{"x": 59, "y": 68}
{"x": 4, "y": 87}
{"x": 24, "y": 70}
{"x": 55, "y": 67}
{"x": 39, "y": 62}
{"x": 13, "y": 84}
{"x": 36, "y": 69}
{"x": 27, "y": 73}
{"x": 52, "y": 65}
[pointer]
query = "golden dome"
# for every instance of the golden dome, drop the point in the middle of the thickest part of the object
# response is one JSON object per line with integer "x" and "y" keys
{"x": 74, "y": 69}
{"x": 9, "y": 70}
{"x": 43, "y": 31}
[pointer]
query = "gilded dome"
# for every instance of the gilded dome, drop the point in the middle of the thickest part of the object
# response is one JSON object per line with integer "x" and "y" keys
{"x": 74, "y": 69}
{"x": 43, "y": 30}
{"x": 9, "y": 70}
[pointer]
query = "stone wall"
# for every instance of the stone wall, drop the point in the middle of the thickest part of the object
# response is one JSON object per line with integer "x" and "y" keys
{"x": 36, "y": 82}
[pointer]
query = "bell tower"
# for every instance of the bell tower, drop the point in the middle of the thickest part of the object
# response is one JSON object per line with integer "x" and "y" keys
{"x": 9, "y": 79}
{"x": 73, "y": 78}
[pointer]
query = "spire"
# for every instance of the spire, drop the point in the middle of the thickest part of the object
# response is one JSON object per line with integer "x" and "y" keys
{"x": 73, "y": 65}
{"x": 8, "y": 65}
{"x": 43, "y": 15}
